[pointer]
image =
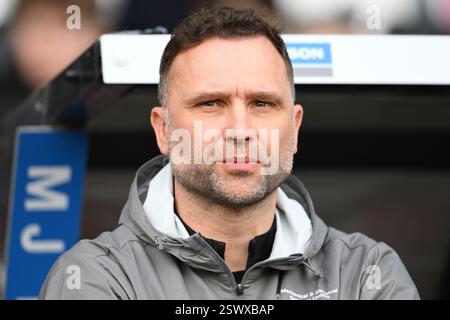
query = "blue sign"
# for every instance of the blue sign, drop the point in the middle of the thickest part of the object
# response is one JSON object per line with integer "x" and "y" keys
{"x": 309, "y": 53}
{"x": 45, "y": 205}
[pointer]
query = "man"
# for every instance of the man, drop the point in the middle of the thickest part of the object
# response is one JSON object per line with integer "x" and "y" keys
{"x": 218, "y": 215}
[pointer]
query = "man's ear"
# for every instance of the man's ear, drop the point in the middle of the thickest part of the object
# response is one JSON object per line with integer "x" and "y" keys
{"x": 298, "y": 116}
{"x": 158, "y": 121}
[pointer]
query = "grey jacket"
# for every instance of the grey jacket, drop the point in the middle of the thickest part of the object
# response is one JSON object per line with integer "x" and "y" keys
{"x": 137, "y": 261}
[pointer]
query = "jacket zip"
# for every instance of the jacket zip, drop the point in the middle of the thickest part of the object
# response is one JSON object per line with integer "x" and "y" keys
{"x": 221, "y": 263}
{"x": 239, "y": 288}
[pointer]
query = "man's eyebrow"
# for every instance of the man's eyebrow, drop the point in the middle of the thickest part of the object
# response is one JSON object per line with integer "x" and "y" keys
{"x": 204, "y": 96}
{"x": 263, "y": 95}
{"x": 269, "y": 96}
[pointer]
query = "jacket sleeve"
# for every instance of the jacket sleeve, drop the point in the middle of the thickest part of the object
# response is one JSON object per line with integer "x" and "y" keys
{"x": 80, "y": 277}
{"x": 385, "y": 277}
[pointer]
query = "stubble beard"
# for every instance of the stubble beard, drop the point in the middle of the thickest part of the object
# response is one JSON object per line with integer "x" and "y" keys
{"x": 204, "y": 181}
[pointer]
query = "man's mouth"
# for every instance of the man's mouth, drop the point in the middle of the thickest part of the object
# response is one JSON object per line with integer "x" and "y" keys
{"x": 243, "y": 163}
{"x": 243, "y": 159}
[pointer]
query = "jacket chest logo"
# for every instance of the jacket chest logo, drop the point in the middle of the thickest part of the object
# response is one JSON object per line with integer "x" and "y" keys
{"x": 318, "y": 294}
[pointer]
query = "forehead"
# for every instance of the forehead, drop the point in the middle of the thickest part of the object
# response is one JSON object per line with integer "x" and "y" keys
{"x": 248, "y": 63}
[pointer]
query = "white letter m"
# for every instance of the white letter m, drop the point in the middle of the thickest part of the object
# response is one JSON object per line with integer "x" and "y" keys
{"x": 45, "y": 198}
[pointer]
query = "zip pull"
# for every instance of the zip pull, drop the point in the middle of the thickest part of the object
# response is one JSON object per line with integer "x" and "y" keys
{"x": 240, "y": 289}
{"x": 280, "y": 279}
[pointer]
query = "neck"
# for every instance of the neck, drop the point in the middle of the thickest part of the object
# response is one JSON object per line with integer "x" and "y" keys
{"x": 236, "y": 227}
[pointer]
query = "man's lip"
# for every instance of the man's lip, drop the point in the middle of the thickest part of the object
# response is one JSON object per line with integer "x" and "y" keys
{"x": 240, "y": 160}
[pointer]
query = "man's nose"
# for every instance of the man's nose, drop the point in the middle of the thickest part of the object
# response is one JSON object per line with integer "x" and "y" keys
{"x": 239, "y": 122}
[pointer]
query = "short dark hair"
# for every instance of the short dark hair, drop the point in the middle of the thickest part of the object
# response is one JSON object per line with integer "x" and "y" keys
{"x": 226, "y": 23}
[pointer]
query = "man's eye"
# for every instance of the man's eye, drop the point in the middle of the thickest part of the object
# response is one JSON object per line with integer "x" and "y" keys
{"x": 209, "y": 103}
{"x": 263, "y": 104}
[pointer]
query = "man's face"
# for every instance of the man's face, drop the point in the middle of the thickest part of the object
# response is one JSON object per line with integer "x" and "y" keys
{"x": 220, "y": 86}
